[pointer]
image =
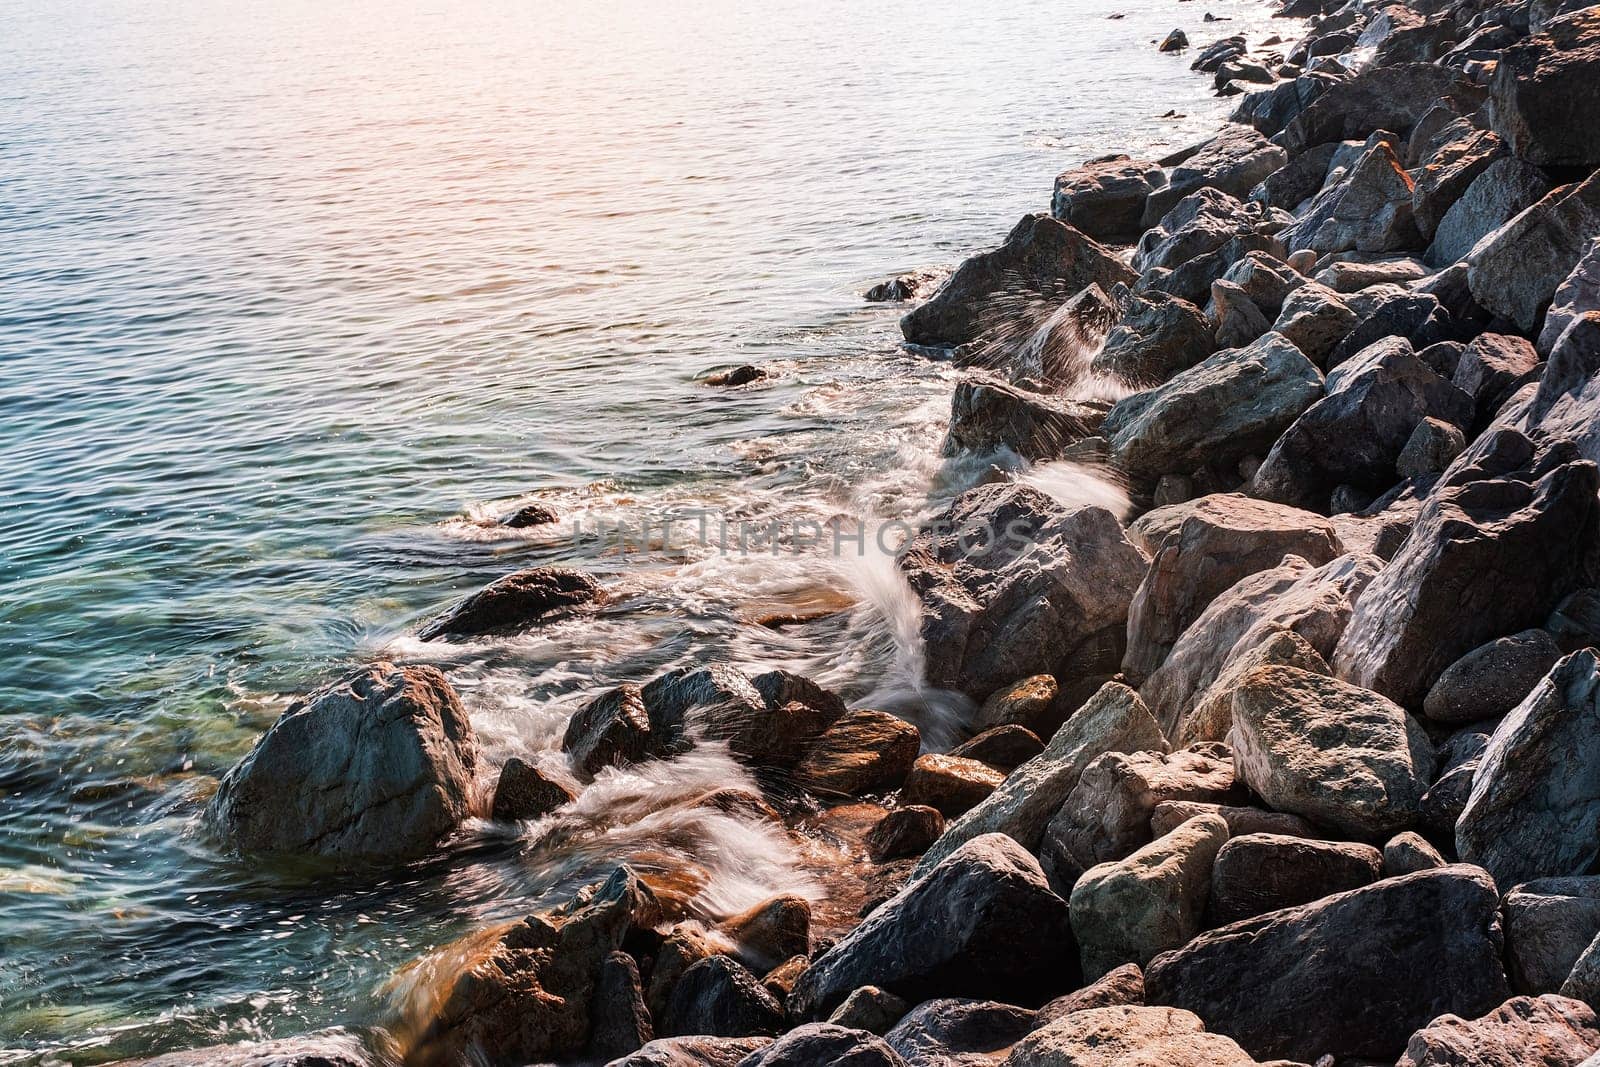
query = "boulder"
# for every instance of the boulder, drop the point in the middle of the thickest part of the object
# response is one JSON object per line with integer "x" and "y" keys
{"x": 1354, "y": 275}
{"x": 898, "y": 288}
{"x": 865, "y": 751}
{"x": 1430, "y": 449}
{"x": 1459, "y": 755}
{"x": 1265, "y": 280}
{"x": 1238, "y": 319}
{"x": 956, "y": 1032}
{"x": 1549, "y": 923}
{"x": 987, "y": 414}
{"x": 1369, "y": 210}
{"x": 1127, "y": 1036}
{"x": 1263, "y": 872}
{"x": 516, "y": 602}
{"x": 1133, "y": 909}
{"x": 1030, "y": 703}
{"x": 1201, "y": 221}
{"x": 1170, "y": 814}
{"x": 1545, "y": 1031}
{"x": 1546, "y": 88}
{"x": 904, "y": 832}
{"x": 1001, "y": 932}
{"x": 1391, "y": 313}
{"x": 1014, "y": 584}
{"x": 871, "y": 1009}
{"x": 1176, "y": 41}
{"x": 1314, "y": 319}
{"x": 1536, "y": 793}
{"x": 1498, "y": 543}
{"x": 1045, "y": 349}
{"x": 1563, "y": 406}
{"x": 1505, "y": 189}
{"x": 1463, "y": 153}
{"x": 951, "y": 784}
{"x": 619, "y": 1023}
{"x": 1355, "y": 434}
{"x": 1409, "y": 853}
{"x": 1583, "y": 981}
{"x": 1124, "y": 985}
{"x": 1105, "y": 197}
{"x": 1234, "y": 161}
{"x": 1369, "y": 967}
{"x": 531, "y": 515}
{"x": 1578, "y": 294}
{"x": 1156, "y": 336}
{"x": 1223, "y": 539}
{"x": 770, "y": 932}
{"x": 1191, "y": 280}
{"x": 693, "y": 1052}
{"x": 1113, "y": 720}
{"x": 527, "y": 792}
{"x": 376, "y": 767}
{"x": 719, "y": 998}
{"x": 1233, "y": 404}
{"x": 1270, "y": 110}
{"x": 1213, "y": 56}
{"x": 1492, "y": 679}
{"x": 1042, "y": 258}
{"x": 1514, "y": 272}
{"x": 1313, "y": 602}
{"x": 611, "y": 729}
{"x": 1005, "y": 747}
{"x": 818, "y": 1043}
{"x": 1212, "y": 716}
{"x": 1379, "y": 98}
{"x": 1107, "y": 815}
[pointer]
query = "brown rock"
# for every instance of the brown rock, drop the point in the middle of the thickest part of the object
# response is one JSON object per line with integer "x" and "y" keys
{"x": 1004, "y": 747}
{"x": 1545, "y": 1031}
{"x": 949, "y": 783}
{"x": 1258, "y": 873}
{"x": 865, "y": 751}
{"x": 526, "y": 792}
{"x": 905, "y": 832}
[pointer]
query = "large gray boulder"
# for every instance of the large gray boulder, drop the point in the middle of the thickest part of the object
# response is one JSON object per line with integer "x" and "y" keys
{"x": 1504, "y": 190}
{"x": 1042, "y": 259}
{"x": 1580, "y": 293}
{"x": 1233, "y": 404}
{"x": 1315, "y": 319}
{"x": 1156, "y": 336}
{"x": 1379, "y": 98}
{"x": 1113, "y": 720}
{"x": 1546, "y": 90}
{"x": 1013, "y": 584}
{"x": 1545, "y": 1031}
{"x": 1336, "y": 754}
{"x": 1503, "y": 537}
{"x": 1548, "y": 925}
{"x": 1461, "y": 153}
{"x": 1258, "y": 873}
{"x": 1201, "y": 222}
{"x": 1234, "y": 161}
{"x": 1565, "y": 406}
{"x": 1352, "y": 975}
{"x": 377, "y": 766}
{"x": 1514, "y": 272}
{"x": 982, "y": 922}
{"x": 1536, "y": 795}
{"x": 1313, "y": 602}
{"x": 1105, "y": 197}
{"x": 1224, "y": 538}
{"x": 1369, "y": 210}
{"x": 1492, "y": 368}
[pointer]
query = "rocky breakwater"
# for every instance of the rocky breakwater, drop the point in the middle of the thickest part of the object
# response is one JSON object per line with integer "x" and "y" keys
{"x": 1290, "y": 760}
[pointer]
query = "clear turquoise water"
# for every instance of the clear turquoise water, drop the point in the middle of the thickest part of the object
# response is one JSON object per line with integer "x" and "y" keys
{"x": 295, "y": 298}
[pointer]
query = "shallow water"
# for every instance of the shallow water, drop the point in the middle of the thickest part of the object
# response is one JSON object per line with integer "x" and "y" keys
{"x": 297, "y": 299}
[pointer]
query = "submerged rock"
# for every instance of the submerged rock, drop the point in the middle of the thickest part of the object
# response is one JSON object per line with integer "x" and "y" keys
{"x": 896, "y": 289}
{"x": 864, "y": 751}
{"x": 377, "y": 766}
{"x": 516, "y": 602}
{"x": 740, "y": 375}
{"x": 526, "y": 792}
{"x": 531, "y": 515}
{"x": 324, "y": 1048}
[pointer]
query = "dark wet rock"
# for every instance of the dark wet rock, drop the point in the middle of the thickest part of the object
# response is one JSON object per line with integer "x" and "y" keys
{"x": 1515, "y": 271}
{"x": 1563, "y": 407}
{"x": 1296, "y": 181}
{"x": 1176, "y": 41}
{"x": 1218, "y": 52}
{"x": 1265, "y": 280}
{"x": 1013, "y": 585}
{"x": 987, "y": 414}
{"x": 611, "y": 729}
{"x": 1444, "y": 801}
{"x": 1503, "y": 190}
{"x": 1156, "y": 336}
{"x": 1315, "y": 319}
{"x": 871, "y": 1009}
{"x": 1201, "y": 221}
{"x": 1042, "y": 258}
{"x": 694, "y": 1052}
{"x": 1107, "y": 815}
{"x": 526, "y": 792}
{"x": 1579, "y": 293}
{"x": 1238, "y": 319}
{"x": 1536, "y": 793}
{"x": 740, "y": 375}
{"x": 1369, "y": 210}
{"x": 1355, "y": 434}
{"x": 1259, "y": 873}
{"x": 904, "y": 832}
{"x": 1409, "y": 853}
{"x": 1121, "y": 986}
{"x": 516, "y": 602}
{"x": 1548, "y": 925}
{"x": 1170, "y": 814}
{"x": 1270, "y": 110}
{"x": 1234, "y": 161}
{"x": 1545, "y": 1031}
{"x": 531, "y": 515}
{"x": 1003, "y": 746}
{"x": 1045, "y": 352}
{"x": 1131, "y": 910}
{"x": 1224, "y": 538}
{"x": 1105, "y": 197}
{"x": 957, "y": 1032}
{"x": 1500, "y": 541}
{"x": 619, "y": 1024}
{"x": 1492, "y": 679}
{"x": 1031, "y": 703}
{"x": 865, "y": 751}
{"x": 719, "y": 998}
{"x": 1379, "y": 98}
{"x": 1336, "y": 754}
{"x": 1233, "y": 404}
{"x": 1546, "y": 90}
{"x": 1126, "y": 1035}
{"x": 377, "y": 766}
{"x": 825, "y": 1043}
{"x": 324, "y": 1048}
{"x": 951, "y": 784}
{"x": 1371, "y": 966}
{"x": 1192, "y": 279}
{"x": 1575, "y": 622}
{"x": 1430, "y": 449}
{"x": 1005, "y": 934}
{"x": 896, "y": 289}
{"x": 1312, "y": 602}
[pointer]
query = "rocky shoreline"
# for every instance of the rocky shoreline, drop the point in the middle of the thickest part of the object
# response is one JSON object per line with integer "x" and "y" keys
{"x": 1292, "y": 760}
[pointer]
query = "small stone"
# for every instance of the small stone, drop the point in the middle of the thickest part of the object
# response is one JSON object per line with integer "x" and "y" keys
{"x": 531, "y": 515}
{"x": 526, "y": 792}
{"x": 905, "y": 832}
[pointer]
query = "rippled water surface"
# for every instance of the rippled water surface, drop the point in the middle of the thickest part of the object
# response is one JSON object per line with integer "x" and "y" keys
{"x": 296, "y": 299}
